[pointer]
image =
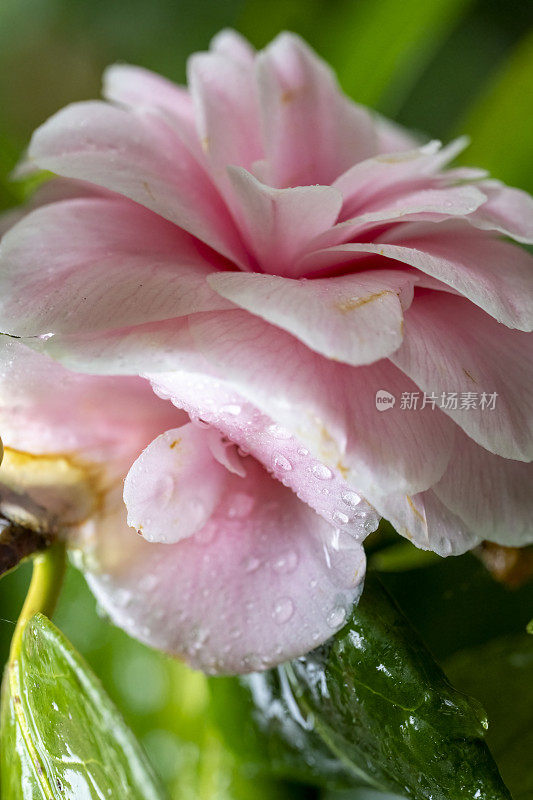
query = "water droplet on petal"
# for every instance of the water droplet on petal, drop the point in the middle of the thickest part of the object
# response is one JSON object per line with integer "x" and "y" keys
{"x": 286, "y": 562}
{"x": 280, "y": 462}
{"x": 350, "y": 498}
{"x": 206, "y": 534}
{"x": 279, "y": 432}
{"x": 283, "y": 610}
{"x": 303, "y": 451}
{"x": 252, "y": 564}
{"x": 241, "y": 505}
{"x": 336, "y": 617}
{"x": 321, "y": 472}
{"x": 232, "y": 409}
{"x": 339, "y": 518}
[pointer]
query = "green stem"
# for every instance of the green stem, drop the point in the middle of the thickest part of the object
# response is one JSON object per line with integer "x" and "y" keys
{"x": 46, "y": 582}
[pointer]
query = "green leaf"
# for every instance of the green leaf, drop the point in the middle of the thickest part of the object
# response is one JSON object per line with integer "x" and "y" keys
{"x": 61, "y": 736}
{"x": 500, "y": 674}
{"x": 501, "y": 122}
{"x": 375, "y": 700}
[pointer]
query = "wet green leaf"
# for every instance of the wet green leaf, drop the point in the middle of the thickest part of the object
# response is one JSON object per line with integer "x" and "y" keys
{"x": 375, "y": 700}
{"x": 500, "y": 675}
{"x": 61, "y": 735}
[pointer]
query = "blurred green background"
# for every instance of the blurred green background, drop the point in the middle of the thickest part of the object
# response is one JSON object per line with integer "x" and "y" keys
{"x": 442, "y": 67}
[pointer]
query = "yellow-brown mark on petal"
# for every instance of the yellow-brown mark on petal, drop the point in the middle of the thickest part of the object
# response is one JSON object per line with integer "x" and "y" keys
{"x": 415, "y": 509}
{"x": 468, "y": 375}
{"x": 148, "y": 190}
{"x": 342, "y": 469}
{"x": 356, "y": 302}
{"x": 287, "y": 96}
{"x": 174, "y": 444}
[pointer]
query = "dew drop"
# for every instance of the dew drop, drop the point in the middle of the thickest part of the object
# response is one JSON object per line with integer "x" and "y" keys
{"x": 370, "y": 524}
{"x": 350, "y": 498}
{"x": 336, "y": 617}
{"x": 165, "y": 489}
{"x": 55, "y": 707}
{"x": 241, "y": 505}
{"x": 252, "y": 564}
{"x": 286, "y": 562}
{"x": 339, "y": 518}
{"x": 232, "y": 409}
{"x": 279, "y": 432}
{"x": 283, "y": 610}
{"x": 303, "y": 451}
{"x": 280, "y": 462}
{"x": 321, "y": 472}
{"x": 206, "y": 534}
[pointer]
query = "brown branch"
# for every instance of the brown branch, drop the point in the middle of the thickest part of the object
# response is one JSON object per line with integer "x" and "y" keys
{"x": 17, "y": 543}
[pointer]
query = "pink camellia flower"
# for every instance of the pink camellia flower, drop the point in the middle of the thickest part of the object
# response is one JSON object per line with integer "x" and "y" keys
{"x": 339, "y": 314}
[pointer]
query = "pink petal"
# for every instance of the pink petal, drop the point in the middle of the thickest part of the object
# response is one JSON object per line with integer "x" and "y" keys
{"x": 494, "y": 275}
{"x": 175, "y": 485}
{"x": 209, "y": 401}
{"x": 329, "y": 407}
{"x": 427, "y": 522}
{"x": 37, "y": 418}
{"x": 356, "y": 319}
{"x": 136, "y": 87}
{"x": 491, "y": 494}
{"x": 451, "y": 346}
{"x": 312, "y": 132}
{"x": 139, "y": 155}
{"x": 227, "y": 113}
{"x": 435, "y": 205}
{"x": 391, "y": 175}
{"x": 507, "y": 210}
{"x": 229, "y": 43}
{"x": 278, "y": 224}
{"x": 94, "y": 264}
{"x": 124, "y": 351}
{"x": 265, "y": 580}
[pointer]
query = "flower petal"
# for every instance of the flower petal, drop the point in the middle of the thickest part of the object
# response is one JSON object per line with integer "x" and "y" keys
{"x": 214, "y": 402}
{"x": 227, "y": 114}
{"x": 265, "y": 580}
{"x": 312, "y": 132}
{"x": 136, "y": 87}
{"x": 452, "y": 346}
{"x": 329, "y": 407}
{"x": 507, "y": 210}
{"x": 491, "y": 494}
{"x": 494, "y": 275}
{"x": 229, "y": 43}
{"x": 136, "y": 154}
{"x": 174, "y": 486}
{"x": 427, "y": 522}
{"x": 356, "y": 319}
{"x": 390, "y": 175}
{"x": 37, "y": 418}
{"x": 93, "y": 264}
{"x": 278, "y": 224}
